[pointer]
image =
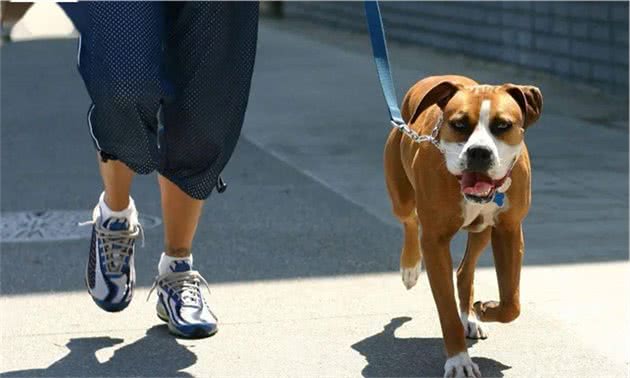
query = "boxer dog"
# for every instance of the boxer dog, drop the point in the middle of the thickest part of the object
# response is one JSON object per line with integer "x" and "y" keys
{"x": 475, "y": 177}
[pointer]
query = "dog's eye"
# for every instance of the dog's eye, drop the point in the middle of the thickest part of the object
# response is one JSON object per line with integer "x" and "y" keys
{"x": 501, "y": 126}
{"x": 459, "y": 125}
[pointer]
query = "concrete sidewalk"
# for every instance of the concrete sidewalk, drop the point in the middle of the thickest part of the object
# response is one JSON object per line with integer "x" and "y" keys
{"x": 301, "y": 251}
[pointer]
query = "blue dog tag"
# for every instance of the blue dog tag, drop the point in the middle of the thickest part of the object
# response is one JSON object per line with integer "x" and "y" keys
{"x": 498, "y": 199}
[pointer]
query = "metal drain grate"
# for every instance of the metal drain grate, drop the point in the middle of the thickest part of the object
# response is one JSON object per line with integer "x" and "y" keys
{"x": 51, "y": 225}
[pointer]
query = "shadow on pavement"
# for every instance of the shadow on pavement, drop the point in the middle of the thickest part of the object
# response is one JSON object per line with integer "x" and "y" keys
{"x": 144, "y": 358}
{"x": 389, "y": 356}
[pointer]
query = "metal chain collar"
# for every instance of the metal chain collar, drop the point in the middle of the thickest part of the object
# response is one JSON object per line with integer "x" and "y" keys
{"x": 433, "y": 138}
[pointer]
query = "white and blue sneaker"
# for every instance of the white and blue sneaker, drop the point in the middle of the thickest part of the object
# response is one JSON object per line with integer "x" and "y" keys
{"x": 180, "y": 302}
{"x": 110, "y": 275}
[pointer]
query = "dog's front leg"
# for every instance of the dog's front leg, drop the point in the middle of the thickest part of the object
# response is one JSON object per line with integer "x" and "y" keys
{"x": 439, "y": 267}
{"x": 508, "y": 249}
{"x": 477, "y": 242}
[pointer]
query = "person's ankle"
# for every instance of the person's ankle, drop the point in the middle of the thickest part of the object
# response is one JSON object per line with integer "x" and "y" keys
{"x": 118, "y": 203}
{"x": 128, "y": 213}
{"x": 168, "y": 263}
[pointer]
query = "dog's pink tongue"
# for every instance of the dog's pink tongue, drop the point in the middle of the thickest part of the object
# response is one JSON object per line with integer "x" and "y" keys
{"x": 476, "y": 184}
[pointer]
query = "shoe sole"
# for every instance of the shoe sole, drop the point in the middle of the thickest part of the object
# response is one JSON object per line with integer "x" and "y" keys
{"x": 198, "y": 333}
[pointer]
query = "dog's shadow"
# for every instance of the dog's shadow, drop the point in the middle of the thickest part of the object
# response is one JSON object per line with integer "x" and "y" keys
{"x": 157, "y": 354}
{"x": 388, "y": 356}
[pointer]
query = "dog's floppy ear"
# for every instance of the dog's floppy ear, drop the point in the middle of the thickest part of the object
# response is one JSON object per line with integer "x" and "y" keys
{"x": 529, "y": 99}
{"x": 438, "y": 95}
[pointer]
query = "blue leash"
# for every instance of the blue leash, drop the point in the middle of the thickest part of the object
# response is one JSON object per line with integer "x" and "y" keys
{"x": 379, "y": 50}
{"x": 381, "y": 58}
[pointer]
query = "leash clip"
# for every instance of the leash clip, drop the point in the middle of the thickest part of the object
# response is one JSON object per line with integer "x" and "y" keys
{"x": 398, "y": 125}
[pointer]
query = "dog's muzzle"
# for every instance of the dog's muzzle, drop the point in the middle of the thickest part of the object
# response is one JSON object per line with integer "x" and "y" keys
{"x": 478, "y": 159}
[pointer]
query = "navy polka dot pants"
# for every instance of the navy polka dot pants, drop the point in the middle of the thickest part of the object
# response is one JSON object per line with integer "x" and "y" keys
{"x": 169, "y": 83}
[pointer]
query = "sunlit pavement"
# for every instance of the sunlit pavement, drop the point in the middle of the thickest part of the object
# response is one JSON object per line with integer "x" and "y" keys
{"x": 301, "y": 251}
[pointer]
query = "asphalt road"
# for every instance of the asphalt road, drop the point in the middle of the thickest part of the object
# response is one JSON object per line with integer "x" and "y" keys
{"x": 301, "y": 251}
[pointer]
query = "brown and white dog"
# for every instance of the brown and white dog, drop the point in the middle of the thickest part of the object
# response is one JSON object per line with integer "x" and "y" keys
{"x": 436, "y": 192}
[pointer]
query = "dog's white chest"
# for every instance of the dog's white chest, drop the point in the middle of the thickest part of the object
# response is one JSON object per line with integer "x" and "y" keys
{"x": 478, "y": 216}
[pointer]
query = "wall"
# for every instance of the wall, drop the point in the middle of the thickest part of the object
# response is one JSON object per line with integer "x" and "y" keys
{"x": 585, "y": 41}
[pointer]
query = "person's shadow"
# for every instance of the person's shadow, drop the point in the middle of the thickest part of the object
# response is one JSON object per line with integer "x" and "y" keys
{"x": 158, "y": 354}
{"x": 388, "y": 356}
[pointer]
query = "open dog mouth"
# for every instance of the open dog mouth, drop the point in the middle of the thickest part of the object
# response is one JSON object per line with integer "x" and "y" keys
{"x": 477, "y": 187}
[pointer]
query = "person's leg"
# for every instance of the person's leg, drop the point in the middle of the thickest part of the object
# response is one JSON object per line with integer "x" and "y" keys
{"x": 209, "y": 60}
{"x": 119, "y": 58}
{"x": 181, "y": 215}
{"x": 117, "y": 178}
{"x": 110, "y": 271}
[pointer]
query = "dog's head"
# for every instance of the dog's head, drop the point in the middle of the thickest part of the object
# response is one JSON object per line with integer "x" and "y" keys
{"x": 482, "y": 131}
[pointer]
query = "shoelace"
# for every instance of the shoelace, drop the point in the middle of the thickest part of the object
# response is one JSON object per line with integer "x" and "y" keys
{"x": 186, "y": 285}
{"x": 116, "y": 244}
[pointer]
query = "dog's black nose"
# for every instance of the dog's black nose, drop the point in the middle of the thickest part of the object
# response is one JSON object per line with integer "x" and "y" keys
{"x": 479, "y": 159}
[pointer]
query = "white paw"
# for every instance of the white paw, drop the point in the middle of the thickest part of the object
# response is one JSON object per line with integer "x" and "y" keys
{"x": 460, "y": 365}
{"x": 410, "y": 275}
{"x": 473, "y": 327}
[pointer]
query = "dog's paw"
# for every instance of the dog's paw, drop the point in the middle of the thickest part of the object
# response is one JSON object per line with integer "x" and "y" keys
{"x": 410, "y": 275}
{"x": 460, "y": 365}
{"x": 473, "y": 327}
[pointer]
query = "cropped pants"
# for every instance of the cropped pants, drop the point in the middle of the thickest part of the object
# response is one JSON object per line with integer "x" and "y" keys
{"x": 169, "y": 83}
